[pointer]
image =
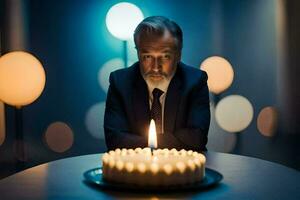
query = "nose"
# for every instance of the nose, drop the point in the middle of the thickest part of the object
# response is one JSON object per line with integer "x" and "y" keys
{"x": 156, "y": 65}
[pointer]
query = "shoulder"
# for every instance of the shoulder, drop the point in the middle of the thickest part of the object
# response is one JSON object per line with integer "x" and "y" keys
{"x": 124, "y": 76}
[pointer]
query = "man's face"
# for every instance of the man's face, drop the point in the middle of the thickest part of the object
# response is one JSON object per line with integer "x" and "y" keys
{"x": 158, "y": 56}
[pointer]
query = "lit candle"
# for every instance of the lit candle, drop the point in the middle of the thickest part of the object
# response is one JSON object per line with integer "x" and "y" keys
{"x": 152, "y": 139}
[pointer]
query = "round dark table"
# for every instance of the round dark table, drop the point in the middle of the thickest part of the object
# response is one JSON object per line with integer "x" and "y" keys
{"x": 244, "y": 178}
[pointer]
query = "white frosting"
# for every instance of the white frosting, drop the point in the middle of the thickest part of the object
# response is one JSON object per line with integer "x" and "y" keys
{"x": 160, "y": 167}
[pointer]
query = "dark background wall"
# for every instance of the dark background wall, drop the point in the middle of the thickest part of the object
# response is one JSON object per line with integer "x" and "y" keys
{"x": 71, "y": 40}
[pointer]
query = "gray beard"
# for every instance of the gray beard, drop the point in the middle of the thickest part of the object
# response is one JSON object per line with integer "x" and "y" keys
{"x": 162, "y": 84}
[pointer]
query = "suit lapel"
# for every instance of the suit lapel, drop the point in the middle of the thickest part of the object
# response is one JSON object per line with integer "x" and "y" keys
{"x": 172, "y": 101}
{"x": 140, "y": 100}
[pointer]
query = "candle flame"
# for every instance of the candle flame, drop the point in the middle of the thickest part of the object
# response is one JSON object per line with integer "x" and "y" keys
{"x": 152, "y": 139}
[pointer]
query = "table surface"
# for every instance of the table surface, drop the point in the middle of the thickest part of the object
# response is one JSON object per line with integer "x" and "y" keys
{"x": 244, "y": 178}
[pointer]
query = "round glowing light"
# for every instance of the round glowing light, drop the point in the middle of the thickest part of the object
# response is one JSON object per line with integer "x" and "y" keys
{"x": 218, "y": 139}
{"x": 220, "y": 73}
{"x": 267, "y": 121}
{"x": 22, "y": 78}
{"x": 94, "y": 120}
{"x": 234, "y": 113}
{"x": 59, "y": 137}
{"x": 108, "y": 67}
{"x": 122, "y": 19}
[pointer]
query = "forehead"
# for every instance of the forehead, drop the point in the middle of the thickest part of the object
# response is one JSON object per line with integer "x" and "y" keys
{"x": 165, "y": 42}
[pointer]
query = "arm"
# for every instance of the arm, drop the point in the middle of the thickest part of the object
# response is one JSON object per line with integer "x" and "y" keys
{"x": 194, "y": 135}
{"x": 116, "y": 127}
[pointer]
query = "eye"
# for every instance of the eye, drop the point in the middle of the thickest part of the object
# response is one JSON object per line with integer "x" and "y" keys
{"x": 166, "y": 56}
{"x": 146, "y": 57}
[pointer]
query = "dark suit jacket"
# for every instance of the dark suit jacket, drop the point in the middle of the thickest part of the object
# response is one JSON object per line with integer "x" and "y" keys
{"x": 186, "y": 114}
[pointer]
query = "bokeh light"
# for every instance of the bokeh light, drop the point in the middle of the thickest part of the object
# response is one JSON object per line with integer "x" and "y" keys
{"x": 218, "y": 139}
{"x": 106, "y": 69}
{"x": 267, "y": 121}
{"x": 22, "y": 78}
{"x": 94, "y": 120}
{"x": 2, "y": 123}
{"x": 220, "y": 73}
{"x": 122, "y": 19}
{"x": 234, "y": 113}
{"x": 59, "y": 137}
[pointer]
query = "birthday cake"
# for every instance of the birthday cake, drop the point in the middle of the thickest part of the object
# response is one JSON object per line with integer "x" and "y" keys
{"x": 161, "y": 167}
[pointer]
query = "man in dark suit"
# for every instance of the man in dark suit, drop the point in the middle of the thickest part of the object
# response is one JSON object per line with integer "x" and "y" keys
{"x": 158, "y": 87}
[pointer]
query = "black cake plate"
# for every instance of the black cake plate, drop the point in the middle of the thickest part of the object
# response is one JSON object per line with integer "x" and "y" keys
{"x": 94, "y": 177}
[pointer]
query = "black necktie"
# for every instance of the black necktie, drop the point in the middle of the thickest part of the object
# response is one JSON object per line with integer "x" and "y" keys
{"x": 156, "y": 109}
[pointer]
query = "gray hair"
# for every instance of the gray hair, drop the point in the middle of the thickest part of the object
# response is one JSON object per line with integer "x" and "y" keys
{"x": 157, "y": 25}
